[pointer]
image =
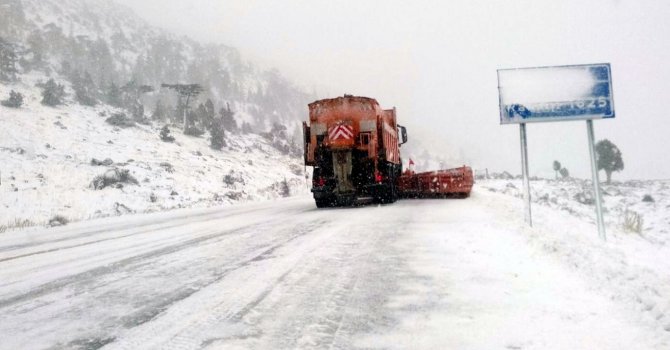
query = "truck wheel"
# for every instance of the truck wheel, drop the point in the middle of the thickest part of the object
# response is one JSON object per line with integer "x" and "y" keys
{"x": 323, "y": 202}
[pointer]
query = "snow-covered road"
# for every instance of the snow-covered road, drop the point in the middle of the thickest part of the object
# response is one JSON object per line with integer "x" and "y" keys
{"x": 418, "y": 274}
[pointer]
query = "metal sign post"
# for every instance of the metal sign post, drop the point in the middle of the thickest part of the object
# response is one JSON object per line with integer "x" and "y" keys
{"x": 524, "y": 171}
{"x": 560, "y": 93}
{"x": 596, "y": 180}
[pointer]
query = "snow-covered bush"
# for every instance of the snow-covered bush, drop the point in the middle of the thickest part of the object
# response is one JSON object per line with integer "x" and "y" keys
{"x": 648, "y": 198}
{"x": 53, "y": 93}
{"x": 106, "y": 162}
{"x": 231, "y": 179}
{"x": 120, "y": 119}
{"x": 58, "y": 220}
{"x": 584, "y": 197}
{"x": 15, "y": 100}
{"x": 113, "y": 177}
{"x": 167, "y": 167}
{"x": 632, "y": 221}
{"x": 165, "y": 134}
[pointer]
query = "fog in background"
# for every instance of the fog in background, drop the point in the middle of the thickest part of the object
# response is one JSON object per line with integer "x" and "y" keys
{"x": 436, "y": 61}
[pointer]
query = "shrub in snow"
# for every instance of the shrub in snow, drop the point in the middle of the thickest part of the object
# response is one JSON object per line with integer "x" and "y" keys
{"x": 120, "y": 119}
{"x": 584, "y": 197}
{"x": 52, "y": 93}
{"x": 121, "y": 209}
{"x": 113, "y": 177}
{"x": 632, "y": 221}
{"x": 235, "y": 196}
{"x": 153, "y": 198}
{"x": 58, "y": 220}
{"x": 231, "y": 179}
{"x": 167, "y": 166}
{"x": 165, "y": 134}
{"x": 284, "y": 189}
{"x": 648, "y": 198}
{"x": 15, "y": 100}
{"x": 106, "y": 162}
{"x": 17, "y": 223}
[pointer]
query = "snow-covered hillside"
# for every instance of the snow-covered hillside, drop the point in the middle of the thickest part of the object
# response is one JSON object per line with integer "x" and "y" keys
{"x": 46, "y": 170}
{"x": 101, "y": 52}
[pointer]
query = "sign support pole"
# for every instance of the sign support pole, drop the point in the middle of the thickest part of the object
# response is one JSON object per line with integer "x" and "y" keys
{"x": 596, "y": 180}
{"x": 524, "y": 171}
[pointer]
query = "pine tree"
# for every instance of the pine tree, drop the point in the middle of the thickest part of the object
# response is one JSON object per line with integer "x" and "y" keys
{"x": 52, "y": 93}
{"x": 210, "y": 114}
{"x": 564, "y": 173}
{"x": 84, "y": 88}
{"x": 114, "y": 96}
{"x": 8, "y": 59}
{"x": 37, "y": 47}
{"x": 228, "y": 119}
{"x": 609, "y": 158}
{"x": 217, "y": 135}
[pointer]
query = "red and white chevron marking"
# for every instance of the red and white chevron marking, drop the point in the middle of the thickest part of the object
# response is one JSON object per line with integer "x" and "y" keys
{"x": 345, "y": 132}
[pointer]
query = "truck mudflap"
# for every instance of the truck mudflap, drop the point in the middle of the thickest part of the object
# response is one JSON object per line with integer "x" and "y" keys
{"x": 456, "y": 182}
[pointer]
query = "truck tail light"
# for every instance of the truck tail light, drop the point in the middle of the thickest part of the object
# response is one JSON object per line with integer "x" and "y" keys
{"x": 319, "y": 182}
{"x": 378, "y": 177}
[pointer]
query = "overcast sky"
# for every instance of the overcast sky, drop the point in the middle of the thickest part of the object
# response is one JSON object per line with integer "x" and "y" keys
{"x": 436, "y": 61}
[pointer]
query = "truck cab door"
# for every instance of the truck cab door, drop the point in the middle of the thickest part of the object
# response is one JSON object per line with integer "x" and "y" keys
{"x": 308, "y": 154}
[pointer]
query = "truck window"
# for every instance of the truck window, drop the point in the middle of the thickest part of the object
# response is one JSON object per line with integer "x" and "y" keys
{"x": 365, "y": 138}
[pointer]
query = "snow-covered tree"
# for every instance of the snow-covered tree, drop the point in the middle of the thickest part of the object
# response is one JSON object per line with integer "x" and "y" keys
{"x": 113, "y": 95}
{"x": 609, "y": 158}
{"x": 228, "y": 118}
{"x": 165, "y": 134}
{"x": 84, "y": 88}
{"x": 53, "y": 93}
{"x": 217, "y": 134}
{"x": 8, "y": 59}
{"x": 557, "y": 167}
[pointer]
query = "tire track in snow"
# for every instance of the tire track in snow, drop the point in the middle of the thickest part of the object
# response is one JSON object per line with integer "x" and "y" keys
{"x": 213, "y": 305}
{"x": 94, "y": 273}
{"x": 183, "y": 220}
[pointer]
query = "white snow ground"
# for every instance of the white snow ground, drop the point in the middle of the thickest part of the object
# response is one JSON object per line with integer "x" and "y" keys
{"x": 418, "y": 274}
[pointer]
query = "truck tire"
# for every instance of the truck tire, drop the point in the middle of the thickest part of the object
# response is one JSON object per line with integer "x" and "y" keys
{"x": 323, "y": 202}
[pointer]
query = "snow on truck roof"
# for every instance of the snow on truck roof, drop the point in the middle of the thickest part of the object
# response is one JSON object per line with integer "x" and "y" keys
{"x": 343, "y": 99}
{"x": 347, "y": 102}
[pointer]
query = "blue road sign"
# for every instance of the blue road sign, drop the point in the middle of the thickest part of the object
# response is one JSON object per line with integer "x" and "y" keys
{"x": 546, "y": 94}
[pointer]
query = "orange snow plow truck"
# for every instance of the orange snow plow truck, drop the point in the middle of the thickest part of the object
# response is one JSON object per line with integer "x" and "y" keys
{"x": 354, "y": 146}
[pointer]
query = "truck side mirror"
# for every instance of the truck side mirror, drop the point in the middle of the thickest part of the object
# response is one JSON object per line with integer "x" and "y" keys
{"x": 403, "y": 134}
